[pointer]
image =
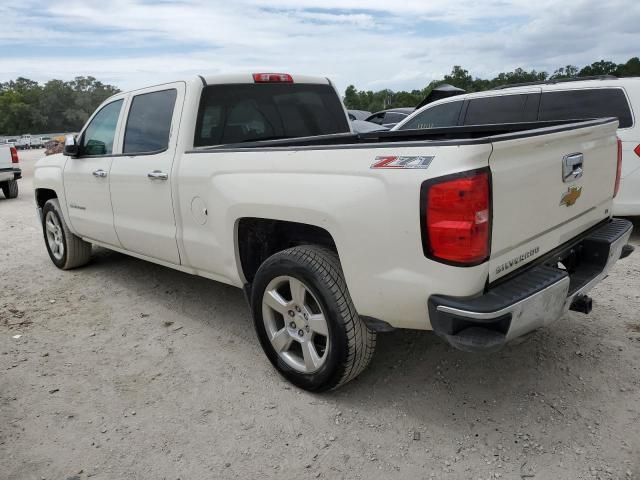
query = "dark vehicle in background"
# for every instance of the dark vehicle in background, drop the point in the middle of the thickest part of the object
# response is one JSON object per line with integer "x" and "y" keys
{"x": 390, "y": 117}
{"x": 358, "y": 114}
{"x": 360, "y": 126}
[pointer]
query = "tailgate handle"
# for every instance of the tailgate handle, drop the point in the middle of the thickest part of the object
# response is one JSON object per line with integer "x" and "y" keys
{"x": 572, "y": 168}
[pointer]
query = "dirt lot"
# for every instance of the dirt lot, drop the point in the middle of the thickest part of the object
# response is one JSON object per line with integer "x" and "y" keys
{"x": 124, "y": 369}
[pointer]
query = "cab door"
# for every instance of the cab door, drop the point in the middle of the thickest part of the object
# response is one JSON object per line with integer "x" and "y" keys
{"x": 86, "y": 177}
{"x": 140, "y": 178}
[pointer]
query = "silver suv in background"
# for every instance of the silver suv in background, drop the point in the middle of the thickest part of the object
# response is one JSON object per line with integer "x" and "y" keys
{"x": 605, "y": 96}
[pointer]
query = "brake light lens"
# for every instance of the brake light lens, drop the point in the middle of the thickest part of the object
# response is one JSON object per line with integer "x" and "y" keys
{"x": 637, "y": 150}
{"x": 457, "y": 218}
{"x": 14, "y": 155}
{"x": 272, "y": 78}
{"x": 618, "y": 169}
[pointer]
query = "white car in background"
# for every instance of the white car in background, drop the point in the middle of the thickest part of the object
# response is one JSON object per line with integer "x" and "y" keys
{"x": 10, "y": 170}
{"x": 605, "y": 96}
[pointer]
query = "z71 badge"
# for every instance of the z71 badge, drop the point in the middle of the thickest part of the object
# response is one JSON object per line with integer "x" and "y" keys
{"x": 570, "y": 196}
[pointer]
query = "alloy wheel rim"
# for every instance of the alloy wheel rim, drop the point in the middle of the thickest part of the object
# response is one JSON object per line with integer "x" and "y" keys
{"x": 295, "y": 324}
{"x": 53, "y": 230}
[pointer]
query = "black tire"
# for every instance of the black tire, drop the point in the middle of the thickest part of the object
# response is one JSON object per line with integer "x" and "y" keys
{"x": 10, "y": 188}
{"x": 76, "y": 251}
{"x": 352, "y": 344}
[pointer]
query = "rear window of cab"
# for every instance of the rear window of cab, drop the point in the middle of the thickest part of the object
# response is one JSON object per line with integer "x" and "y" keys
{"x": 236, "y": 113}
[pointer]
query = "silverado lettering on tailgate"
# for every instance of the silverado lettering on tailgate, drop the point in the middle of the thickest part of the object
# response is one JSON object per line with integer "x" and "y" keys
{"x": 517, "y": 260}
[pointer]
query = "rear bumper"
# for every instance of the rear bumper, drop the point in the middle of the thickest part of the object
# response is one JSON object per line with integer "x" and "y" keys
{"x": 10, "y": 173}
{"x": 534, "y": 297}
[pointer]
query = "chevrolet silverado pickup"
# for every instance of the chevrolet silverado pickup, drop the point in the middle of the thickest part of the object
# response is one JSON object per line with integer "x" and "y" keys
{"x": 479, "y": 233}
{"x": 10, "y": 171}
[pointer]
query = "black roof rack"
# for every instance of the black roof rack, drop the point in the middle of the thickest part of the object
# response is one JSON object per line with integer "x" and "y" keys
{"x": 556, "y": 80}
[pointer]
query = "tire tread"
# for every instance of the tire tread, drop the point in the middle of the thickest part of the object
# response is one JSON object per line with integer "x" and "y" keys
{"x": 10, "y": 188}
{"x": 78, "y": 251}
{"x": 361, "y": 341}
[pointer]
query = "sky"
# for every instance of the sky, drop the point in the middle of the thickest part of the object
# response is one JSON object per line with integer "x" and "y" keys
{"x": 372, "y": 44}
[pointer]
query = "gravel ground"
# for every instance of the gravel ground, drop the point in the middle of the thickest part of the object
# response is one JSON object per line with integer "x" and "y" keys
{"x": 125, "y": 369}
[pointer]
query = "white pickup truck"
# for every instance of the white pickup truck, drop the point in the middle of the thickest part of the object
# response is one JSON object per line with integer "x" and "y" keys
{"x": 482, "y": 234}
{"x": 10, "y": 171}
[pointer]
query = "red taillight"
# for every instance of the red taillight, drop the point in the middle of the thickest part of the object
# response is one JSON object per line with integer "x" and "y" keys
{"x": 14, "y": 155}
{"x": 637, "y": 150}
{"x": 272, "y": 78}
{"x": 618, "y": 169}
{"x": 457, "y": 218}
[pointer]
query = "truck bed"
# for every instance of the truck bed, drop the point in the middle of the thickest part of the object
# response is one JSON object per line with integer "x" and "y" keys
{"x": 468, "y": 134}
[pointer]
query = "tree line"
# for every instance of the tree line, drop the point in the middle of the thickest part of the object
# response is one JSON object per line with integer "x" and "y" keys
{"x": 459, "y": 77}
{"x": 57, "y": 106}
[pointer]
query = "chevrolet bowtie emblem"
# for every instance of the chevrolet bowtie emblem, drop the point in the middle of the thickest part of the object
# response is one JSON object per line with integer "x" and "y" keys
{"x": 570, "y": 196}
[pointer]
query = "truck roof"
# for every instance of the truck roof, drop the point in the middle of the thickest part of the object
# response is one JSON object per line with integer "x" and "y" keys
{"x": 230, "y": 79}
{"x": 248, "y": 78}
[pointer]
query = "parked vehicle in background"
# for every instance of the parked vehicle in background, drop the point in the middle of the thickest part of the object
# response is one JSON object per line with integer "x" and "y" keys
{"x": 10, "y": 171}
{"x": 361, "y": 126}
{"x": 578, "y": 98}
{"x": 358, "y": 114}
{"x": 258, "y": 181}
{"x": 11, "y": 142}
{"x": 39, "y": 142}
{"x": 389, "y": 118}
{"x": 24, "y": 142}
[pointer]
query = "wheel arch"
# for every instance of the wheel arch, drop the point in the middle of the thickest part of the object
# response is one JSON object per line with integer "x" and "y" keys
{"x": 256, "y": 239}
{"x": 43, "y": 195}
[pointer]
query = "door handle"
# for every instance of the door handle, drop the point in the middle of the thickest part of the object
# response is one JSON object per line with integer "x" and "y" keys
{"x": 99, "y": 173}
{"x": 158, "y": 175}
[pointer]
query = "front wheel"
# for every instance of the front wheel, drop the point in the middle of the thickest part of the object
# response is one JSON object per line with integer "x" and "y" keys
{"x": 66, "y": 250}
{"x": 305, "y": 319}
{"x": 10, "y": 188}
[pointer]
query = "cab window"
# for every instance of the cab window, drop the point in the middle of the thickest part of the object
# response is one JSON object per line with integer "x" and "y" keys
{"x": 149, "y": 123}
{"x": 99, "y": 135}
{"x": 236, "y": 113}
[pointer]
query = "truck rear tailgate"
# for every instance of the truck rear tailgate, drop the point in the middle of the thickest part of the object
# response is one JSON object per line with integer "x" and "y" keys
{"x": 547, "y": 189}
{"x": 5, "y": 157}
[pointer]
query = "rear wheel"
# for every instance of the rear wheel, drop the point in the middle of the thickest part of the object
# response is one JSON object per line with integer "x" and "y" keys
{"x": 66, "y": 250}
{"x": 306, "y": 321}
{"x": 10, "y": 188}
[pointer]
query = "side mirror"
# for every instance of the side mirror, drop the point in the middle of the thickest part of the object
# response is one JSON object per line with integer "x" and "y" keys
{"x": 71, "y": 148}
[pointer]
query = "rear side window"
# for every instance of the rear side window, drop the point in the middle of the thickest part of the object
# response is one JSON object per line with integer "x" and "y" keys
{"x": 238, "y": 113}
{"x": 502, "y": 109}
{"x": 149, "y": 122}
{"x": 594, "y": 103}
{"x": 444, "y": 115}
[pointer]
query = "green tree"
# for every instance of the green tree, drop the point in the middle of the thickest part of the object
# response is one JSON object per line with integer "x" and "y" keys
{"x": 460, "y": 77}
{"x": 629, "y": 69}
{"x": 569, "y": 71}
{"x": 603, "y": 67}
{"x": 56, "y": 106}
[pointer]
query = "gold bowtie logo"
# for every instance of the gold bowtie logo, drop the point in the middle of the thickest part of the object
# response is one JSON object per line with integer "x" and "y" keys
{"x": 570, "y": 196}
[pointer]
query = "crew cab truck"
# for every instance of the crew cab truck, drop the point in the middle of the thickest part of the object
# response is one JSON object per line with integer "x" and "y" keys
{"x": 10, "y": 171}
{"x": 482, "y": 234}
